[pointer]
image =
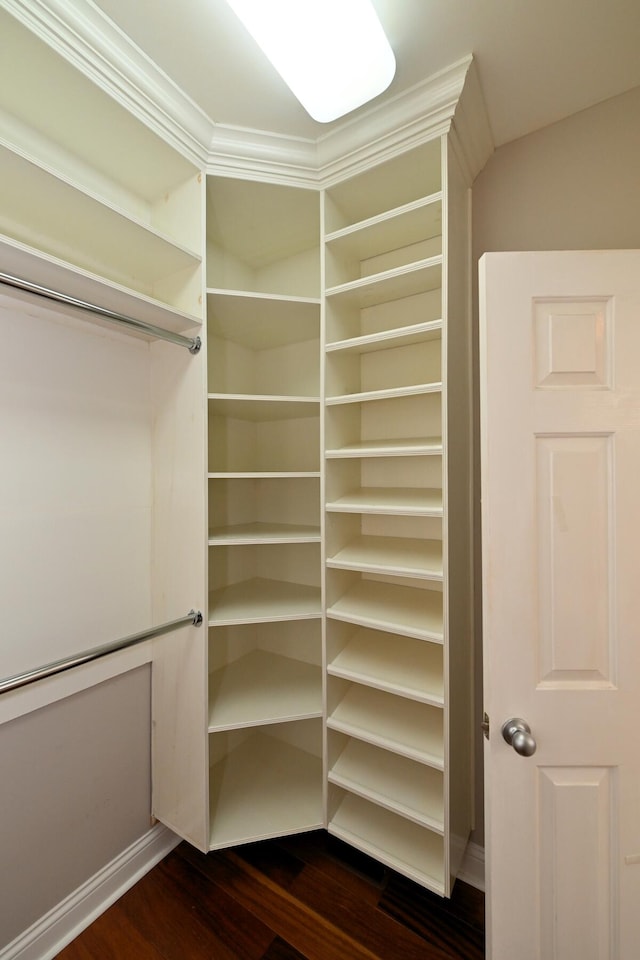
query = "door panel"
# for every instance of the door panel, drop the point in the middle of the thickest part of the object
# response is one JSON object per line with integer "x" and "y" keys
{"x": 560, "y": 402}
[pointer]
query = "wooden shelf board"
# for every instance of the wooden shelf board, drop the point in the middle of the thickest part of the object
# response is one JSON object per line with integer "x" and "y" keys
{"x": 400, "y": 844}
{"x": 410, "y": 789}
{"x": 264, "y": 788}
{"x": 405, "y": 447}
{"x": 400, "y": 282}
{"x": 263, "y": 474}
{"x": 262, "y": 321}
{"x": 259, "y": 600}
{"x": 400, "y": 501}
{"x": 263, "y": 688}
{"x": 98, "y": 232}
{"x": 27, "y": 263}
{"x": 418, "y": 220}
{"x": 410, "y": 611}
{"x": 263, "y": 409}
{"x": 241, "y": 533}
{"x": 391, "y": 393}
{"x": 400, "y": 665}
{"x": 410, "y": 729}
{"x": 396, "y": 556}
{"x": 396, "y": 337}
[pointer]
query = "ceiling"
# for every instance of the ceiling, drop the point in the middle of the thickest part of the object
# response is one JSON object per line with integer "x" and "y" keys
{"x": 538, "y": 60}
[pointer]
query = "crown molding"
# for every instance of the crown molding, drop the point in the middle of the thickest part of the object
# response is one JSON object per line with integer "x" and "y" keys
{"x": 90, "y": 41}
{"x": 86, "y": 38}
{"x": 471, "y": 134}
{"x": 426, "y": 110}
{"x": 418, "y": 114}
{"x": 258, "y": 154}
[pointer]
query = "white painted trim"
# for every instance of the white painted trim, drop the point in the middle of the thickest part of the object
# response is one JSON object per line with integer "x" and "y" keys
{"x": 87, "y": 38}
{"x": 17, "y": 703}
{"x": 472, "y": 869}
{"x": 48, "y": 935}
{"x": 376, "y": 133}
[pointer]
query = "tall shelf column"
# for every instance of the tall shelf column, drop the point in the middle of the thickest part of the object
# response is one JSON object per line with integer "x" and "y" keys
{"x": 388, "y": 583}
{"x": 265, "y": 611}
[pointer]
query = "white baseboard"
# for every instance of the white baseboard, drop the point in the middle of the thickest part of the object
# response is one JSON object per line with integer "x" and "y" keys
{"x": 472, "y": 869}
{"x": 48, "y": 935}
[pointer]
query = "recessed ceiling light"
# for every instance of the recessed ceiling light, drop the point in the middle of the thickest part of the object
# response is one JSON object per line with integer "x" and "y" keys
{"x": 333, "y": 54}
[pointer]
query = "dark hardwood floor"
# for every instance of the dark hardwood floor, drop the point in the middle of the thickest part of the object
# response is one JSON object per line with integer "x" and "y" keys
{"x": 307, "y": 897}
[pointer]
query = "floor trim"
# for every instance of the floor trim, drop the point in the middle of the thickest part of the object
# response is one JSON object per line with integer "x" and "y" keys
{"x": 472, "y": 869}
{"x": 48, "y": 935}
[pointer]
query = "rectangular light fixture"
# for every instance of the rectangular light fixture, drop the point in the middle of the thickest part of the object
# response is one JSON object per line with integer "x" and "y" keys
{"x": 333, "y": 54}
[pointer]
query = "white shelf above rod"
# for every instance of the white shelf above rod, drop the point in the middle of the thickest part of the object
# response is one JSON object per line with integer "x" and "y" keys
{"x": 192, "y": 344}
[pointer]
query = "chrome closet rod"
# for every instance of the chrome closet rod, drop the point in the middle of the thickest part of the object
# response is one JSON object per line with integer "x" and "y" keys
{"x": 194, "y": 617}
{"x": 193, "y": 344}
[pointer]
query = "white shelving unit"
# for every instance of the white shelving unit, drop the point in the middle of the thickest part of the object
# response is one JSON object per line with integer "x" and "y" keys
{"x": 331, "y": 429}
{"x": 393, "y": 724}
{"x": 265, "y": 603}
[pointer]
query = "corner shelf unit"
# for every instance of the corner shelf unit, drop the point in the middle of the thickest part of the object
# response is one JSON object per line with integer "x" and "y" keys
{"x": 313, "y": 484}
{"x": 333, "y": 572}
{"x": 264, "y": 542}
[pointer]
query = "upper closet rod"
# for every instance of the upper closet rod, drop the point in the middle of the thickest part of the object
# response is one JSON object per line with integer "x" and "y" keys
{"x": 193, "y": 344}
{"x": 194, "y": 617}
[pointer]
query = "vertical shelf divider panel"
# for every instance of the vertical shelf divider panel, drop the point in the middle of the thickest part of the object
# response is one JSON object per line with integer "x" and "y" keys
{"x": 264, "y": 539}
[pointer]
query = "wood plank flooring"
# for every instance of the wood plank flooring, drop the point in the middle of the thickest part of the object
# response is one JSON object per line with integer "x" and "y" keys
{"x": 307, "y": 897}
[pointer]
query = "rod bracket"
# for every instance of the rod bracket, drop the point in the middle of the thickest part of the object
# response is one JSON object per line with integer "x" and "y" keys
{"x": 196, "y": 343}
{"x": 198, "y": 619}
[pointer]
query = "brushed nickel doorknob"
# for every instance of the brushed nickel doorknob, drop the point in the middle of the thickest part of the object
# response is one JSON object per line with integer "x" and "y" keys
{"x": 517, "y": 734}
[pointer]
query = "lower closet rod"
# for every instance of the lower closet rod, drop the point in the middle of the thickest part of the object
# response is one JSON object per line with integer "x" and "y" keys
{"x": 194, "y": 617}
{"x": 193, "y": 344}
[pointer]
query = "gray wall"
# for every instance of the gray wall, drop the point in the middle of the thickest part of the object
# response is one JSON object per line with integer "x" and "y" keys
{"x": 75, "y": 793}
{"x": 572, "y": 186}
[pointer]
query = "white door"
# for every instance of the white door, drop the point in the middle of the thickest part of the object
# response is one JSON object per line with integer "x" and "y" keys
{"x": 560, "y": 402}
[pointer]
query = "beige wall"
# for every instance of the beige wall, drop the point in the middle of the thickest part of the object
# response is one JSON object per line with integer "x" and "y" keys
{"x": 573, "y": 185}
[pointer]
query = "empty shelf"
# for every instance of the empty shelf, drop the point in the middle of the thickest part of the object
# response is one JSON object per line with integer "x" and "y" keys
{"x": 261, "y": 600}
{"x": 262, "y": 688}
{"x": 264, "y": 788}
{"x": 399, "y": 843}
{"x": 395, "y": 337}
{"x": 402, "y": 447}
{"x": 419, "y": 277}
{"x": 411, "y": 729}
{"x": 411, "y": 668}
{"x": 262, "y": 321}
{"x": 263, "y": 533}
{"x": 411, "y": 611}
{"x": 409, "y": 502}
{"x": 263, "y": 409}
{"x": 391, "y": 393}
{"x": 397, "y": 556}
{"x": 410, "y": 789}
